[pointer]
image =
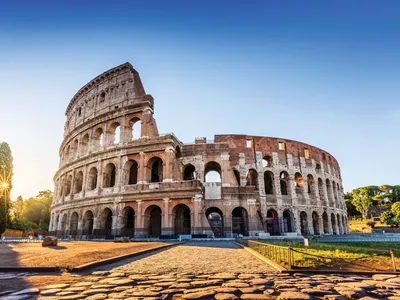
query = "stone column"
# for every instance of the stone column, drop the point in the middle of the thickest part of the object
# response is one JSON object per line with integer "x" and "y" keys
{"x": 99, "y": 174}
{"x": 321, "y": 224}
{"x": 80, "y": 228}
{"x": 167, "y": 170}
{"x": 142, "y": 169}
{"x": 96, "y": 225}
{"x": 310, "y": 224}
{"x": 140, "y": 230}
{"x": 166, "y": 226}
{"x": 197, "y": 202}
{"x": 278, "y": 193}
{"x": 146, "y": 117}
{"x": 330, "y": 229}
{"x": 297, "y": 220}
{"x": 225, "y": 169}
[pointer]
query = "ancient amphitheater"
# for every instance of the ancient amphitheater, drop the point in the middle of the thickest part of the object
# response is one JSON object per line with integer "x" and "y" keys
{"x": 119, "y": 177}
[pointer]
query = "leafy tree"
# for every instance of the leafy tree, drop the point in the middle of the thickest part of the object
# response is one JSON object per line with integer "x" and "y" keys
{"x": 18, "y": 208}
{"x": 6, "y": 172}
{"x": 385, "y": 216}
{"x": 362, "y": 200}
{"x": 37, "y": 210}
{"x": 396, "y": 209}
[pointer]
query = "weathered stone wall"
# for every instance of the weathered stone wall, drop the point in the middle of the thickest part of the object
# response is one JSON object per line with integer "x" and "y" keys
{"x": 118, "y": 176}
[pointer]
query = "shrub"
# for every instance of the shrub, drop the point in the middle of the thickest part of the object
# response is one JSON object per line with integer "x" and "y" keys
{"x": 371, "y": 224}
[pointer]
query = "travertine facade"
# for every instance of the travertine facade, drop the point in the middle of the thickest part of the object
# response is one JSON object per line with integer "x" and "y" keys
{"x": 118, "y": 176}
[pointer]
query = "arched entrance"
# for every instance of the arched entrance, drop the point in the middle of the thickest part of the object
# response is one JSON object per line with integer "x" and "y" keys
{"x": 153, "y": 213}
{"x": 73, "y": 225}
{"x": 287, "y": 221}
{"x": 107, "y": 223}
{"x": 272, "y": 222}
{"x": 182, "y": 219}
{"x": 216, "y": 220}
{"x": 88, "y": 223}
{"x": 240, "y": 221}
{"x": 304, "y": 223}
{"x": 325, "y": 223}
{"x": 333, "y": 222}
{"x": 63, "y": 224}
{"x": 315, "y": 221}
{"x": 129, "y": 222}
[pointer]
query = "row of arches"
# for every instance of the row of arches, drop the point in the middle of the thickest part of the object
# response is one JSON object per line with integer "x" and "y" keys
{"x": 101, "y": 137}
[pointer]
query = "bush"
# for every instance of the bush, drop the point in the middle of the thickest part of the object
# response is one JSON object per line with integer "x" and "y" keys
{"x": 371, "y": 224}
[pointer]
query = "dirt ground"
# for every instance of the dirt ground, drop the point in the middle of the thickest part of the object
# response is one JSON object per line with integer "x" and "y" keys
{"x": 66, "y": 253}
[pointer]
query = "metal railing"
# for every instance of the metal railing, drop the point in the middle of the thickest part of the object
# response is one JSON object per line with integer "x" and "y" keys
{"x": 279, "y": 254}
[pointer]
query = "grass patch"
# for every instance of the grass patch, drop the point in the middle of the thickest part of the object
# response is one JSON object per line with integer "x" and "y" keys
{"x": 367, "y": 256}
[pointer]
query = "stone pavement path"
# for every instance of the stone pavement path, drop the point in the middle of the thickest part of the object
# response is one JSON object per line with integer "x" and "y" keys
{"x": 206, "y": 271}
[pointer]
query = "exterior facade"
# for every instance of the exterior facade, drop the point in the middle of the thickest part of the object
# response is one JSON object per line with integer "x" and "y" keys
{"x": 119, "y": 177}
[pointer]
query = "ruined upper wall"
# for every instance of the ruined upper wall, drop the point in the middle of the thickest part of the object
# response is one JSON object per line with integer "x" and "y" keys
{"x": 106, "y": 91}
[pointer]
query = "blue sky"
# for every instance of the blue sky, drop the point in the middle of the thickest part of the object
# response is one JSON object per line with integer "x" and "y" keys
{"x": 322, "y": 72}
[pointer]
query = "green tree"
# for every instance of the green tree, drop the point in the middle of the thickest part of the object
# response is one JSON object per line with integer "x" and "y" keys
{"x": 18, "y": 208}
{"x": 396, "y": 209}
{"x": 362, "y": 200}
{"x": 37, "y": 210}
{"x": 386, "y": 216}
{"x": 6, "y": 172}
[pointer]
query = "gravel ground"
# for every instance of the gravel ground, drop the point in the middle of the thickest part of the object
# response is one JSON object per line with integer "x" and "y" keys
{"x": 199, "y": 258}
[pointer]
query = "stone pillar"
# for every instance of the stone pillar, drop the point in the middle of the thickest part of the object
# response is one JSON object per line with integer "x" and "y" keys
{"x": 278, "y": 193}
{"x": 330, "y": 229}
{"x": 142, "y": 169}
{"x": 166, "y": 226}
{"x": 321, "y": 224}
{"x": 168, "y": 166}
{"x": 140, "y": 230}
{"x": 99, "y": 174}
{"x": 225, "y": 176}
{"x": 146, "y": 117}
{"x": 80, "y": 227}
{"x": 197, "y": 203}
{"x": 310, "y": 224}
{"x": 297, "y": 218}
{"x": 228, "y": 225}
{"x": 96, "y": 224}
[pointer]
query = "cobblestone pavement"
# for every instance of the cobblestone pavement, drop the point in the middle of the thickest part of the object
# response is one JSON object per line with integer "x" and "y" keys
{"x": 133, "y": 281}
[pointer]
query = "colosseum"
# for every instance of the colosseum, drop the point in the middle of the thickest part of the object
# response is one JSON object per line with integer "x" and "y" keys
{"x": 119, "y": 177}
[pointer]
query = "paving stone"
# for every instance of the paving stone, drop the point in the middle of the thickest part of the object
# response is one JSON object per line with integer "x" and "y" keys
{"x": 97, "y": 297}
{"x": 368, "y": 298}
{"x": 250, "y": 290}
{"x": 224, "y": 276}
{"x": 95, "y": 291}
{"x": 106, "y": 286}
{"x": 236, "y": 284}
{"x": 76, "y": 289}
{"x": 255, "y": 296}
{"x": 50, "y": 292}
{"x": 350, "y": 293}
{"x": 73, "y": 297}
{"x": 201, "y": 283}
{"x": 30, "y": 291}
{"x": 124, "y": 281}
{"x": 100, "y": 273}
{"x": 261, "y": 282}
{"x": 334, "y": 297}
{"x": 84, "y": 283}
{"x": 227, "y": 290}
{"x": 316, "y": 292}
{"x": 293, "y": 296}
{"x": 207, "y": 288}
{"x": 116, "y": 274}
{"x": 225, "y": 296}
{"x": 65, "y": 293}
{"x": 383, "y": 276}
{"x": 199, "y": 295}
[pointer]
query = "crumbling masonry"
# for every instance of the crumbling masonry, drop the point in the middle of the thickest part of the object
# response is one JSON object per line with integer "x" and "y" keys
{"x": 119, "y": 176}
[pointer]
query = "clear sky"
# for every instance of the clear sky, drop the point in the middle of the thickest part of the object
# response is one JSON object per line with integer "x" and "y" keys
{"x": 322, "y": 72}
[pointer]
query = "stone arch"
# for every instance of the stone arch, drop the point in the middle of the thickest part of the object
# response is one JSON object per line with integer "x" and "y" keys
{"x": 73, "y": 224}
{"x": 74, "y": 148}
{"x": 310, "y": 184}
{"x": 299, "y": 183}
{"x": 304, "y": 223}
{"x": 288, "y": 221}
{"x": 212, "y": 172}
{"x": 109, "y": 175}
{"x": 252, "y": 178}
{"x": 131, "y": 170}
{"x": 325, "y": 222}
{"x": 135, "y": 125}
{"x": 315, "y": 220}
{"x": 64, "y": 221}
{"x": 272, "y": 222}
{"x": 267, "y": 161}
{"x": 98, "y": 137}
{"x": 85, "y": 144}
{"x": 88, "y": 219}
{"x": 182, "y": 219}
{"x": 153, "y": 215}
{"x": 321, "y": 192}
{"x": 215, "y": 218}
{"x": 189, "y": 172}
{"x": 114, "y": 133}
{"x": 240, "y": 221}
{"x": 78, "y": 185}
{"x": 106, "y": 218}
{"x": 333, "y": 223}
{"x": 92, "y": 179}
{"x": 155, "y": 169}
{"x": 284, "y": 181}
{"x": 328, "y": 190}
{"x": 68, "y": 185}
{"x": 128, "y": 221}
{"x": 269, "y": 183}
{"x": 339, "y": 223}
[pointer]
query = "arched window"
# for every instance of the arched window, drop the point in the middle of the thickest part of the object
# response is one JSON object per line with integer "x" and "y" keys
{"x": 92, "y": 179}
{"x": 155, "y": 166}
{"x": 66, "y": 154}
{"x": 189, "y": 172}
{"x": 284, "y": 180}
{"x": 299, "y": 183}
{"x": 68, "y": 184}
{"x": 74, "y": 149}
{"x": 98, "y": 140}
{"x": 85, "y": 144}
{"x": 115, "y": 133}
{"x": 269, "y": 182}
{"x": 136, "y": 128}
{"x": 109, "y": 175}
{"x": 318, "y": 168}
{"x": 321, "y": 191}
{"x": 133, "y": 172}
{"x": 252, "y": 178}
{"x": 212, "y": 172}
{"x": 78, "y": 182}
{"x": 102, "y": 97}
{"x": 237, "y": 176}
{"x": 267, "y": 161}
{"x": 310, "y": 183}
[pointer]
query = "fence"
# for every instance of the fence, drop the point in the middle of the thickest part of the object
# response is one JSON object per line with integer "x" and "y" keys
{"x": 279, "y": 254}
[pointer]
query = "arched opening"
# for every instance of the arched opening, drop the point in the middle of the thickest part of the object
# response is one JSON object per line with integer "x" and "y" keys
{"x": 73, "y": 225}
{"x": 325, "y": 223}
{"x": 240, "y": 221}
{"x": 267, "y": 161}
{"x": 63, "y": 224}
{"x": 318, "y": 168}
{"x": 92, "y": 179}
{"x": 189, "y": 172}
{"x": 68, "y": 184}
{"x": 269, "y": 182}
{"x": 215, "y": 218}
{"x": 98, "y": 139}
{"x": 106, "y": 219}
{"x": 272, "y": 222}
{"x": 287, "y": 221}
{"x": 310, "y": 184}
{"x": 299, "y": 183}
{"x": 212, "y": 172}
{"x": 78, "y": 182}
{"x": 74, "y": 149}
{"x": 182, "y": 224}
{"x": 339, "y": 223}
{"x": 102, "y": 97}
{"x": 136, "y": 128}
{"x": 284, "y": 180}
{"x": 321, "y": 192}
{"x": 66, "y": 154}
{"x": 109, "y": 175}
{"x": 328, "y": 189}
{"x": 178, "y": 153}
{"x": 315, "y": 220}
{"x": 334, "y": 191}
{"x": 85, "y": 144}
{"x": 252, "y": 178}
{"x": 237, "y": 176}
{"x": 132, "y": 168}
{"x": 115, "y": 133}
{"x": 156, "y": 169}
{"x": 57, "y": 222}
{"x": 333, "y": 223}
{"x": 128, "y": 221}
{"x": 153, "y": 213}
{"x": 304, "y": 223}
